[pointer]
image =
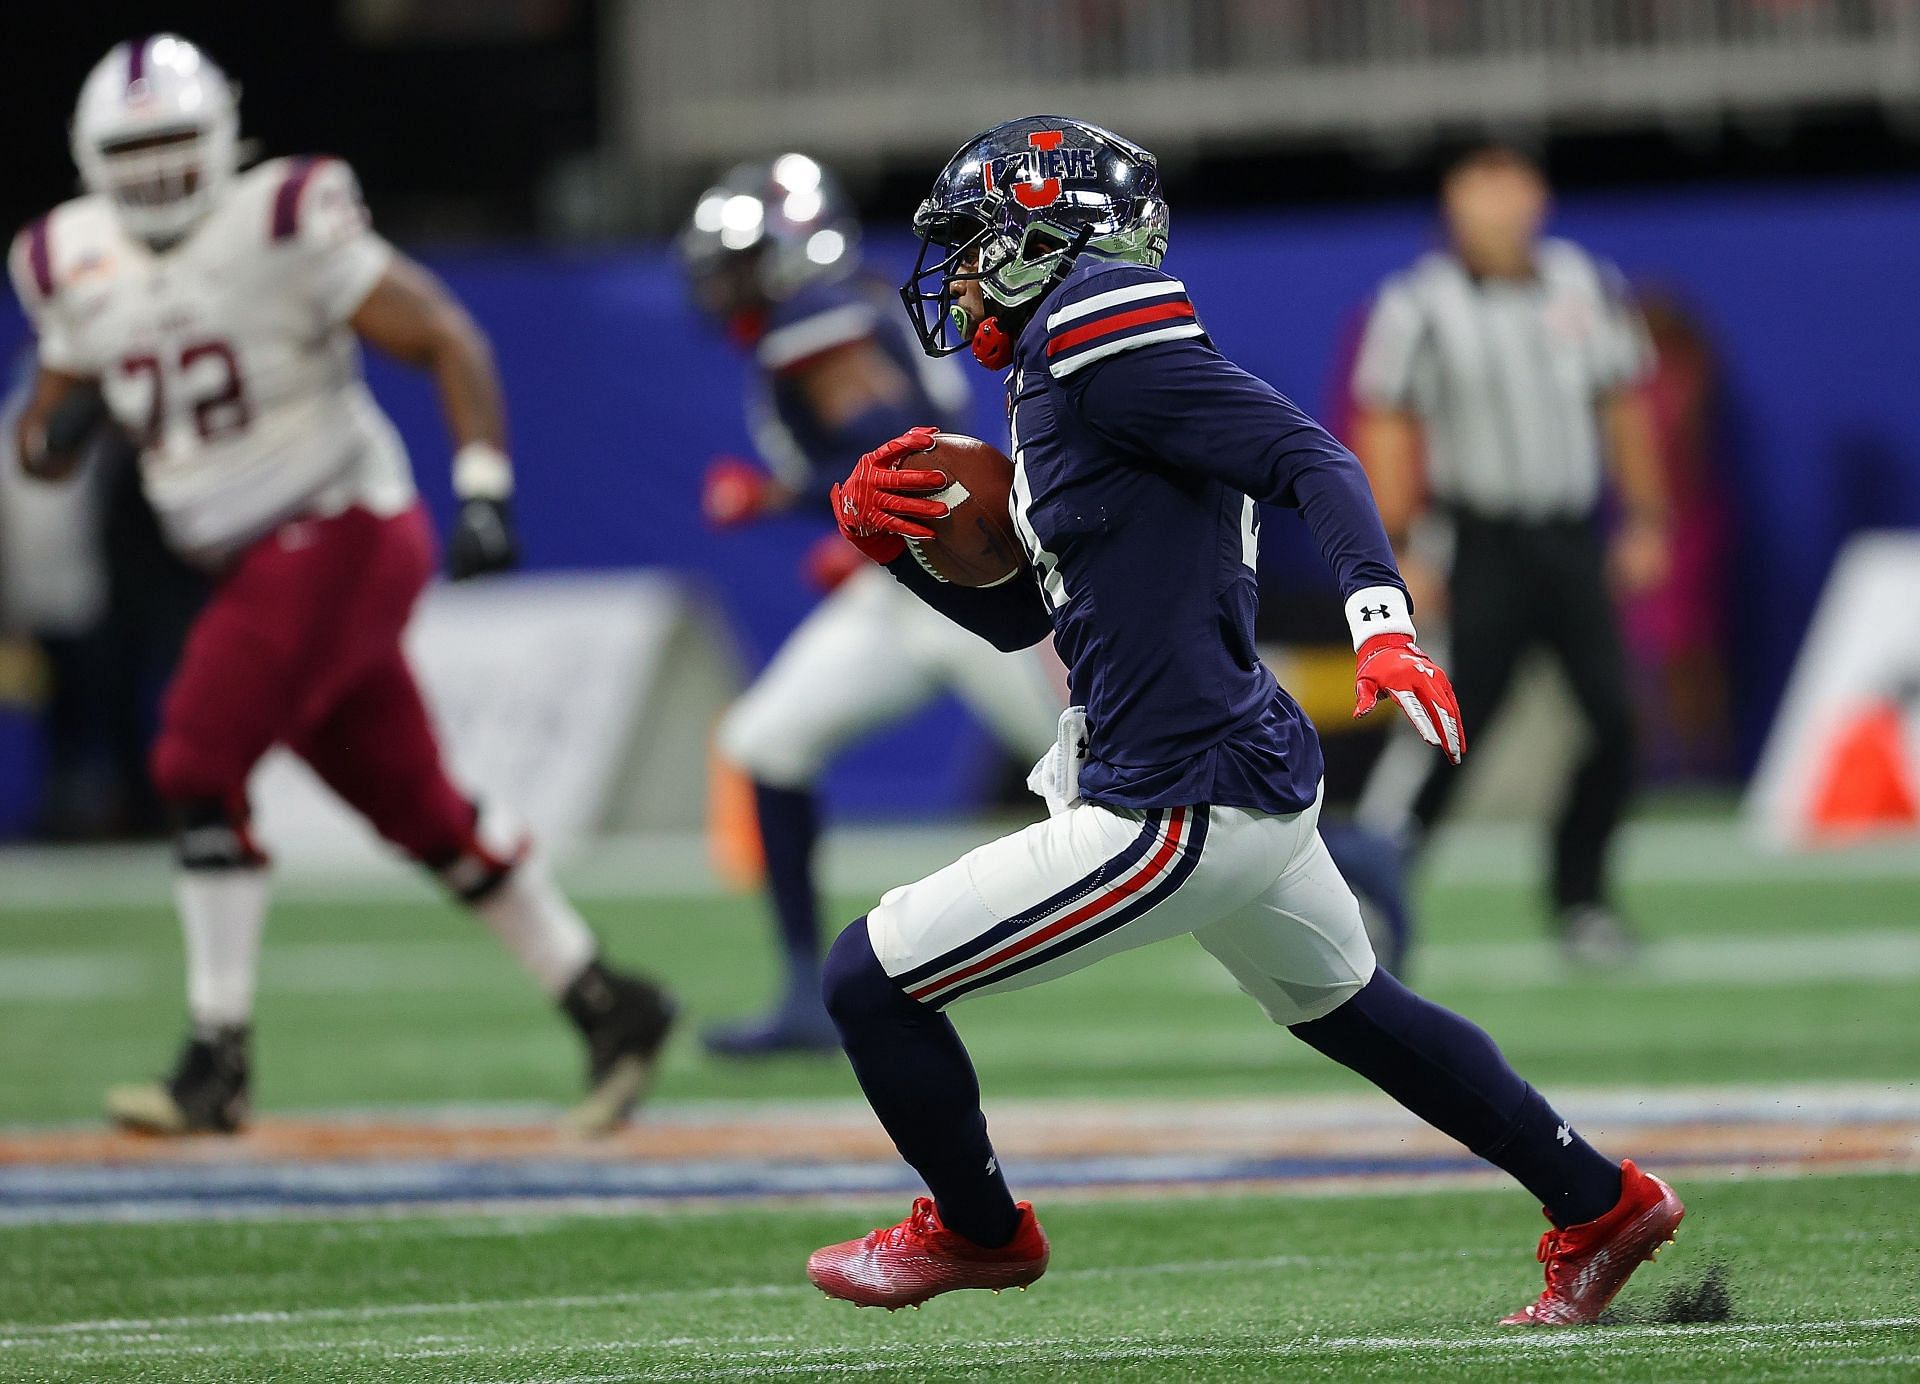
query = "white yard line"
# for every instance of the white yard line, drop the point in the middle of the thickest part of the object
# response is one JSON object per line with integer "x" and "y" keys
{"x": 1801, "y": 1102}
{"x": 1605, "y": 1343}
{"x": 868, "y": 859}
{"x": 15, "y": 1335}
{"x": 1860, "y": 956}
{"x": 1614, "y": 1342}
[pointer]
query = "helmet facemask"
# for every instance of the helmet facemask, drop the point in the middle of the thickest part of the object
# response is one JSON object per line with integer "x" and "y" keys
{"x": 159, "y": 184}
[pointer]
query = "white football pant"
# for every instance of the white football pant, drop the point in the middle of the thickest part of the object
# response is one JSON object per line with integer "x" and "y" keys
{"x": 869, "y": 654}
{"x": 1258, "y": 891}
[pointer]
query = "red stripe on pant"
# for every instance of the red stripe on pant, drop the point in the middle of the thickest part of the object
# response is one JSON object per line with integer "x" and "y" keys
{"x": 1104, "y": 902}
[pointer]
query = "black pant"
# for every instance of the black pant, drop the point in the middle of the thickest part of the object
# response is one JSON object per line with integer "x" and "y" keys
{"x": 1516, "y": 584}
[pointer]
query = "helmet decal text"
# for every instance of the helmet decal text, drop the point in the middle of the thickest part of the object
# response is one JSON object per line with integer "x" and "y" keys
{"x": 1037, "y": 175}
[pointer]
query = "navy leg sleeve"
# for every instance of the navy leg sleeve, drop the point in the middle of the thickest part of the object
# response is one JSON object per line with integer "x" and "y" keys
{"x": 789, "y": 828}
{"x": 1449, "y": 1073}
{"x": 919, "y": 1080}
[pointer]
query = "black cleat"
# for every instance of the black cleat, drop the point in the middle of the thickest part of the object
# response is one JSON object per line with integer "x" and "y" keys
{"x": 625, "y": 1021}
{"x": 207, "y": 1093}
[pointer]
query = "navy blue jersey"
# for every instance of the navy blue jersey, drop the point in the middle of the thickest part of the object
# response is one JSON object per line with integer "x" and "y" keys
{"x": 1141, "y": 455}
{"x": 806, "y": 452}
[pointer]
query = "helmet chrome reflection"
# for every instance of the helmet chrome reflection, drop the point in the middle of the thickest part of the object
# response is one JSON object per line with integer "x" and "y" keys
{"x": 765, "y": 230}
{"x": 1014, "y": 210}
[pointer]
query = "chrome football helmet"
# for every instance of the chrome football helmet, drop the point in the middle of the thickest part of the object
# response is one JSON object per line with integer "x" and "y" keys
{"x": 157, "y": 133}
{"x": 765, "y": 230}
{"x": 1014, "y": 209}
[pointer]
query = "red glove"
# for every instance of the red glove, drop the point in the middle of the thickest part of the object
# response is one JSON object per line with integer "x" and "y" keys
{"x": 872, "y": 505}
{"x": 1393, "y": 663}
{"x": 830, "y": 561}
{"x": 734, "y": 492}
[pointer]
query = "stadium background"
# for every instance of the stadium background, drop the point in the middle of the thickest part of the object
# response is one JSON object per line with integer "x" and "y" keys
{"x": 1756, "y": 161}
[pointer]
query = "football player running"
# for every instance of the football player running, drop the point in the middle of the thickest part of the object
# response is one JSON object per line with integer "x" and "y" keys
{"x": 1140, "y": 453}
{"x": 214, "y": 314}
{"x": 772, "y": 253}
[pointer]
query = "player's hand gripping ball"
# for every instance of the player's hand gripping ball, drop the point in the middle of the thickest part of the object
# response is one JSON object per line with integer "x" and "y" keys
{"x": 876, "y": 505}
{"x": 941, "y": 496}
{"x": 1393, "y": 664}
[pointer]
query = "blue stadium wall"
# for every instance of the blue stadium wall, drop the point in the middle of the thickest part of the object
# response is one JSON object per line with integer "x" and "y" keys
{"x": 619, "y": 397}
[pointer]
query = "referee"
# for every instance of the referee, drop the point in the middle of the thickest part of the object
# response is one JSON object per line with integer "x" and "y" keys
{"x": 1505, "y": 361}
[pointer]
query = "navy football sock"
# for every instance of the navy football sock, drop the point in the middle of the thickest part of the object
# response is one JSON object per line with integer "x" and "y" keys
{"x": 920, "y": 1082}
{"x": 1450, "y": 1074}
{"x": 789, "y": 827}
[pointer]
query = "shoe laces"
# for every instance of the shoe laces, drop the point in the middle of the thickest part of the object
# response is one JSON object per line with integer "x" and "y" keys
{"x": 921, "y": 1222}
{"x": 1553, "y": 1245}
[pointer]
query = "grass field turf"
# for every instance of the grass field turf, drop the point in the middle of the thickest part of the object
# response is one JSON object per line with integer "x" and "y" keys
{"x": 1758, "y": 980}
{"x": 1773, "y": 980}
{"x": 1822, "y": 1274}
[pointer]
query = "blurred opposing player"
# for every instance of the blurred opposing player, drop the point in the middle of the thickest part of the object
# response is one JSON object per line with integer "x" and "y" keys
{"x": 213, "y": 313}
{"x": 1190, "y": 802}
{"x": 773, "y": 254}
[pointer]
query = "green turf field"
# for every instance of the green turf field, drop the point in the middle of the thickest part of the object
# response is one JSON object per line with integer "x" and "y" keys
{"x": 1751, "y": 981}
{"x": 1820, "y": 1275}
{"x": 367, "y": 1004}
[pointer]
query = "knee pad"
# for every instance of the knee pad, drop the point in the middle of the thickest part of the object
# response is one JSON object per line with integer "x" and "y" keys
{"x": 212, "y": 834}
{"x": 474, "y": 869}
{"x": 751, "y": 738}
{"x": 854, "y": 986}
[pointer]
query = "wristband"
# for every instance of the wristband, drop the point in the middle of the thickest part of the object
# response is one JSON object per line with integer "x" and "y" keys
{"x": 1377, "y": 610}
{"x": 481, "y": 471}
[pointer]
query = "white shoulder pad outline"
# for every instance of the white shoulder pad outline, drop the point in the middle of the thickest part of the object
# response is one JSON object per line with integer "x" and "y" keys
{"x": 785, "y": 347}
{"x": 1120, "y": 319}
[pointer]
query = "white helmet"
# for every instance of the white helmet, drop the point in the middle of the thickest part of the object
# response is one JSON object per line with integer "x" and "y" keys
{"x": 157, "y": 133}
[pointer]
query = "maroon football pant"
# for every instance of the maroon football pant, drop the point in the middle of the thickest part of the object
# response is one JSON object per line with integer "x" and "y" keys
{"x": 300, "y": 645}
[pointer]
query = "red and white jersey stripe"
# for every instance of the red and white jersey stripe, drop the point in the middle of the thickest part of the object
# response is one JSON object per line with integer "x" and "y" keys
{"x": 1119, "y": 319}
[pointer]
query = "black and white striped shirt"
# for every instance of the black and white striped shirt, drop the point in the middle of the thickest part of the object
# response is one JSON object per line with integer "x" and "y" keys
{"x": 1505, "y": 376}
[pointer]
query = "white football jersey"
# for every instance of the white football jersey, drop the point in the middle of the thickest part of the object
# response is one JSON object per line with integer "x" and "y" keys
{"x": 228, "y": 355}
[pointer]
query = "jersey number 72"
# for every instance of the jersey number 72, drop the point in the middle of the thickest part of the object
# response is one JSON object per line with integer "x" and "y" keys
{"x": 220, "y": 406}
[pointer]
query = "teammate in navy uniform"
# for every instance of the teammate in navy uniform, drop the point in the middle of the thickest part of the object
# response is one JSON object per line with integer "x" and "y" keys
{"x": 773, "y": 252}
{"x": 1184, "y": 787}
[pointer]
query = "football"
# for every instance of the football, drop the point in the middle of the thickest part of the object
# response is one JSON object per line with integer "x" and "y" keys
{"x": 975, "y": 545}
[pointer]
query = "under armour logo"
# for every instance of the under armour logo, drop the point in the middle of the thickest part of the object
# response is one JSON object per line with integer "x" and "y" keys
{"x": 1564, "y": 1135}
{"x": 1366, "y": 612}
{"x": 993, "y": 1166}
{"x": 847, "y": 505}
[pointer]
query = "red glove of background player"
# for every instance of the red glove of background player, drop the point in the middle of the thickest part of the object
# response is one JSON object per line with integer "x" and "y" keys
{"x": 873, "y": 506}
{"x": 734, "y": 492}
{"x": 1394, "y": 664}
{"x": 830, "y": 560}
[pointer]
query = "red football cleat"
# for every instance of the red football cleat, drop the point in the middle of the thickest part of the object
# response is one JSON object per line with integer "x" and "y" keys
{"x": 1587, "y": 1264}
{"x": 903, "y": 1265}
